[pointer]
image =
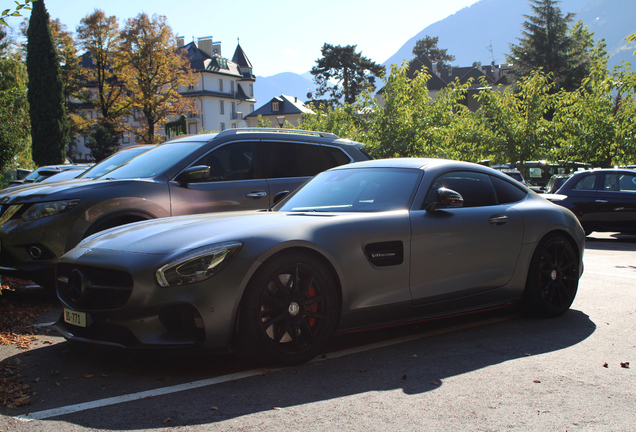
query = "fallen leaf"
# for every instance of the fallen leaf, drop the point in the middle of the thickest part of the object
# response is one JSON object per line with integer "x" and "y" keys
{"x": 213, "y": 408}
{"x": 87, "y": 376}
{"x": 414, "y": 355}
{"x": 403, "y": 377}
{"x": 278, "y": 409}
{"x": 167, "y": 420}
{"x": 605, "y": 365}
{"x": 35, "y": 379}
{"x": 323, "y": 355}
{"x": 105, "y": 376}
{"x": 263, "y": 374}
{"x": 54, "y": 373}
{"x": 536, "y": 381}
{"x": 363, "y": 370}
{"x": 148, "y": 397}
{"x": 57, "y": 383}
{"x": 625, "y": 364}
{"x": 434, "y": 383}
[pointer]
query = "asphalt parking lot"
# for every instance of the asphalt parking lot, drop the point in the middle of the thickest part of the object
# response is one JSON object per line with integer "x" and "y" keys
{"x": 488, "y": 372}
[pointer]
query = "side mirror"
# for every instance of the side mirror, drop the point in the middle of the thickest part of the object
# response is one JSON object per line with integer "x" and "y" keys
{"x": 446, "y": 198}
{"x": 193, "y": 174}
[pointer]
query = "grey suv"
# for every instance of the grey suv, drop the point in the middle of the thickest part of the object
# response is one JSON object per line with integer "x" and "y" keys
{"x": 237, "y": 169}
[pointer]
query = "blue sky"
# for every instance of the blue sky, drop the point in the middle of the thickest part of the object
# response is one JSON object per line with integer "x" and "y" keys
{"x": 282, "y": 35}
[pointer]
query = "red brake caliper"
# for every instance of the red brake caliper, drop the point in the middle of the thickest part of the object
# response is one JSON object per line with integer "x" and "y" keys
{"x": 314, "y": 307}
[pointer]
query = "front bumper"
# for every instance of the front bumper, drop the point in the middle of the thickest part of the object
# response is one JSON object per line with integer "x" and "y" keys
{"x": 123, "y": 305}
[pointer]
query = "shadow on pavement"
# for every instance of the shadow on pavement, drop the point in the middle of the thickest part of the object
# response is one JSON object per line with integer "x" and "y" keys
{"x": 414, "y": 367}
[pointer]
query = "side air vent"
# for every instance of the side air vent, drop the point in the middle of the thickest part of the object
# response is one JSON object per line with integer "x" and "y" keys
{"x": 385, "y": 253}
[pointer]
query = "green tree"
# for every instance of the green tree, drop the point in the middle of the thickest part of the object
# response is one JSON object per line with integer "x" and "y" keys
{"x": 15, "y": 137}
{"x": 101, "y": 141}
{"x": 428, "y": 46}
{"x": 49, "y": 122}
{"x": 153, "y": 69}
{"x": 547, "y": 44}
{"x": 352, "y": 72}
{"x": 16, "y": 13}
{"x": 517, "y": 124}
{"x": 595, "y": 123}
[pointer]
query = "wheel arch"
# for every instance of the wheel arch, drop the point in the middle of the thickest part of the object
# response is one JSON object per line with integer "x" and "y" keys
{"x": 291, "y": 249}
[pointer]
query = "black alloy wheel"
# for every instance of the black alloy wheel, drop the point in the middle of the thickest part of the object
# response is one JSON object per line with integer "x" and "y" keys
{"x": 553, "y": 278}
{"x": 289, "y": 312}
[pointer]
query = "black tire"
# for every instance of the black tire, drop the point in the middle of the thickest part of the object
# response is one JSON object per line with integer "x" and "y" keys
{"x": 289, "y": 312}
{"x": 553, "y": 278}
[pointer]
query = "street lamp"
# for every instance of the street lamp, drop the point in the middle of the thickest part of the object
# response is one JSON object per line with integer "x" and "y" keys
{"x": 280, "y": 120}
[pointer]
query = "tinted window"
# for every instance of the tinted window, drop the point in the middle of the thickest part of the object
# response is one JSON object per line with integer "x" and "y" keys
{"x": 288, "y": 159}
{"x": 155, "y": 161}
{"x": 476, "y": 188}
{"x": 507, "y": 192}
{"x": 620, "y": 182}
{"x": 234, "y": 161}
{"x": 586, "y": 183}
{"x": 356, "y": 190}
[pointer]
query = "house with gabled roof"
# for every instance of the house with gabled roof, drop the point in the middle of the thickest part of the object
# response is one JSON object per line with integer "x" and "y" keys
{"x": 279, "y": 110}
{"x": 494, "y": 76}
{"x": 224, "y": 94}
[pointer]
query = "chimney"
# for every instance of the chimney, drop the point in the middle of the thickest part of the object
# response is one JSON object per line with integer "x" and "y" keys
{"x": 205, "y": 45}
{"x": 180, "y": 41}
{"x": 216, "y": 49}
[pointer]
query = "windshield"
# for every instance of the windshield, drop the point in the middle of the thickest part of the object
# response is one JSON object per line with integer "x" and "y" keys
{"x": 155, "y": 161}
{"x": 356, "y": 190}
{"x": 112, "y": 162}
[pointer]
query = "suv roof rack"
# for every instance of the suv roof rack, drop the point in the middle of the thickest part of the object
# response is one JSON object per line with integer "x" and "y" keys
{"x": 278, "y": 131}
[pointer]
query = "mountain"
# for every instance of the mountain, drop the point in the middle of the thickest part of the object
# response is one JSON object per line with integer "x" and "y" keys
{"x": 484, "y": 31}
{"x": 287, "y": 83}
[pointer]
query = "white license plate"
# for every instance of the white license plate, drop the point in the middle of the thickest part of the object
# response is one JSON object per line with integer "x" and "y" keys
{"x": 75, "y": 318}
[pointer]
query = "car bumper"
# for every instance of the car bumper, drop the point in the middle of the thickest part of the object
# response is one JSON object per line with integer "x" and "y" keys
{"x": 121, "y": 304}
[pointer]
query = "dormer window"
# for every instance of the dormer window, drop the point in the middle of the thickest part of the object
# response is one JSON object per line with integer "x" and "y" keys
{"x": 275, "y": 106}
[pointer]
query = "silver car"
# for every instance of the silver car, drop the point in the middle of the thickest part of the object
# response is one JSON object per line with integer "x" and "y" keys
{"x": 361, "y": 246}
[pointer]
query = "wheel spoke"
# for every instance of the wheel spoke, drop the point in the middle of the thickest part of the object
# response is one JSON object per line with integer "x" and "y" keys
{"x": 282, "y": 330}
{"x": 313, "y": 300}
{"x": 274, "y": 320}
{"x": 310, "y": 314}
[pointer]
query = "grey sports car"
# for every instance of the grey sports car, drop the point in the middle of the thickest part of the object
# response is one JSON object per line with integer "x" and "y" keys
{"x": 361, "y": 246}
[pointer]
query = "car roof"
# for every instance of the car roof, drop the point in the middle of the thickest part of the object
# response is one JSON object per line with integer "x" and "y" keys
{"x": 416, "y": 163}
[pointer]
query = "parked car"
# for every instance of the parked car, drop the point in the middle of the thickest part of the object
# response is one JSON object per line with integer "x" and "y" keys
{"x": 366, "y": 245}
{"x": 238, "y": 169}
{"x": 555, "y": 183}
{"x": 46, "y": 171}
{"x": 603, "y": 199}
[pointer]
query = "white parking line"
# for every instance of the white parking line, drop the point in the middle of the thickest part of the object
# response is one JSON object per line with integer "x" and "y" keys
{"x": 610, "y": 274}
{"x": 240, "y": 375}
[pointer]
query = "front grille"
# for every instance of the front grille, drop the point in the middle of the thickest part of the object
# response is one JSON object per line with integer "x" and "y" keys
{"x": 101, "y": 288}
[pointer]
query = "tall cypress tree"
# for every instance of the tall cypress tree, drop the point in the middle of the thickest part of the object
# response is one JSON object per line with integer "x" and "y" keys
{"x": 49, "y": 122}
{"x": 548, "y": 44}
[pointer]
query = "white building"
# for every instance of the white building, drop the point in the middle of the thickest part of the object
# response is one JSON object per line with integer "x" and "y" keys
{"x": 225, "y": 91}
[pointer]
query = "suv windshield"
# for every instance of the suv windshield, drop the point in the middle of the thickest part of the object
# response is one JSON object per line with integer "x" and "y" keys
{"x": 155, "y": 161}
{"x": 114, "y": 161}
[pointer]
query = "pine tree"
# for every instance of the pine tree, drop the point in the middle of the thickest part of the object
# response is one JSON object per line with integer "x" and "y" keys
{"x": 547, "y": 44}
{"x": 49, "y": 121}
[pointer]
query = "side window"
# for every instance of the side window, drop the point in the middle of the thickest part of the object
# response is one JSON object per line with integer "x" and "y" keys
{"x": 506, "y": 192}
{"x": 286, "y": 159}
{"x": 335, "y": 156}
{"x": 476, "y": 188}
{"x": 586, "y": 183}
{"x": 234, "y": 161}
{"x": 627, "y": 183}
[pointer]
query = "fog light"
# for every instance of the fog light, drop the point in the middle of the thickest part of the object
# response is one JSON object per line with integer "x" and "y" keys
{"x": 35, "y": 252}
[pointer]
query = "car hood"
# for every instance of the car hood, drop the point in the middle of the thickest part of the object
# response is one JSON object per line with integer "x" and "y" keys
{"x": 38, "y": 192}
{"x": 168, "y": 235}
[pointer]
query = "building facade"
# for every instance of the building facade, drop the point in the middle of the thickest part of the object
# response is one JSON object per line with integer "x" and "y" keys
{"x": 224, "y": 94}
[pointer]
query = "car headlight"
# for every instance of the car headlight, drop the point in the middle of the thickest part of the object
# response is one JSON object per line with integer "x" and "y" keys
{"x": 197, "y": 265}
{"x": 46, "y": 209}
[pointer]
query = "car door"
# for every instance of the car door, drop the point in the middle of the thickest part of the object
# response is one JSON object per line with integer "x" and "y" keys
{"x": 289, "y": 164}
{"x": 615, "y": 203}
{"x": 462, "y": 251}
{"x": 235, "y": 182}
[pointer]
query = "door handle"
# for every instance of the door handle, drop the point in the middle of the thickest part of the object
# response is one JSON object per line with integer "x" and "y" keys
{"x": 498, "y": 220}
{"x": 259, "y": 194}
